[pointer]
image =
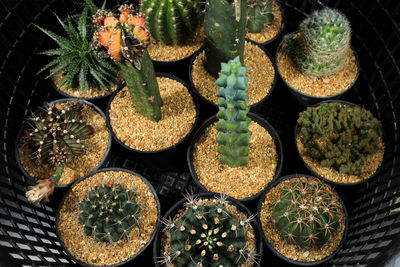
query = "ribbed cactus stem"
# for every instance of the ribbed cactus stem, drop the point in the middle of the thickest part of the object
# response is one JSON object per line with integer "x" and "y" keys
{"x": 259, "y": 14}
{"x": 224, "y": 30}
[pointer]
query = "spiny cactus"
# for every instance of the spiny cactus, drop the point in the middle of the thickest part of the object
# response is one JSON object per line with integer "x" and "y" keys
{"x": 323, "y": 43}
{"x": 306, "y": 213}
{"x": 339, "y": 136}
{"x": 224, "y": 32}
{"x": 125, "y": 40}
{"x": 259, "y": 14}
{"x": 208, "y": 235}
{"x": 56, "y": 135}
{"x": 233, "y": 123}
{"x": 109, "y": 213}
{"x": 171, "y": 21}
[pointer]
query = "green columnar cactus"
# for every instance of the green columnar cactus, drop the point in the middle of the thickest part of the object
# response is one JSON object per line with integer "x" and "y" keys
{"x": 306, "y": 213}
{"x": 109, "y": 213}
{"x": 323, "y": 44}
{"x": 208, "y": 235}
{"x": 233, "y": 123}
{"x": 259, "y": 14}
{"x": 339, "y": 136}
{"x": 224, "y": 30}
{"x": 171, "y": 21}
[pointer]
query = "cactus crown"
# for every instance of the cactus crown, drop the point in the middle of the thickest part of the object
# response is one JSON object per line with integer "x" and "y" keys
{"x": 340, "y": 136}
{"x": 233, "y": 123}
{"x": 208, "y": 235}
{"x": 323, "y": 44}
{"x": 109, "y": 213}
{"x": 259, "y": 14}
{"x": 306, "y": 213}
{"x": 57, "y": 135}
{"x": 172, "y": 22}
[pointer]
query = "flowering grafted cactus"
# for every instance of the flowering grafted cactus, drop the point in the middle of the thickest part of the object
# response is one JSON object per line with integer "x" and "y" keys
{"x": 306, "y": 213}
{"x": 172, "y": 22}
{"x": 233, "y": 123}
{"x": 125, "y": 40}
{"x": 109, "y": 213}
{"x": 259, "y": 14}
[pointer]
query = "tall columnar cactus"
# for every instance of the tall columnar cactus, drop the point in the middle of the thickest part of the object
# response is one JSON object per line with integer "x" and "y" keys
{"x": 233, "y": 123}
{"x": 125, "y": 40}
{"x": 109, "y": 213}
{"x": 306, "y": 213}
{"x": 171, "y": 21}
{"x": 323, "y": 44}
{"x": 340, "y": 136}
{"x": 208, "y": 235}
{"x": 259, "y": 14}
{"x": 224, "y": 30}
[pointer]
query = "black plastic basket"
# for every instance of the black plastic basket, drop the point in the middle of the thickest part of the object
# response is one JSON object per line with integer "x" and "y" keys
{"x": 27, "y": 233}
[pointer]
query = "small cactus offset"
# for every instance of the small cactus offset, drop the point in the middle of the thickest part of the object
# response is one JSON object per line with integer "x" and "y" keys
{"x": 224, "y": 31}
{"x": 233, "y": 123}
{"x": 323, "y": 44}
{"x": 340, "y": 136}
{"x": 306, "y": 214}
{"x": 171, "y": 22}
{"x": 259, "y": 14}
{"x": 125, "y": 39}
{"x": 208, "y": 235}
{"x": 109, "y": 213}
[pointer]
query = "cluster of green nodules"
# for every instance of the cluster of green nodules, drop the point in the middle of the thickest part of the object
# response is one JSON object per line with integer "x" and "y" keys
{"x": 259, "y": 14}
{"x": 172, "y": 21}
{"x": 109, "y": 213}
{"x": 233, "y": 122}
{"x": 340, "y": 136}
{"x": 306, "y": 213}
{"x": 323, "y": 43}
{"x": 208, "y": 235}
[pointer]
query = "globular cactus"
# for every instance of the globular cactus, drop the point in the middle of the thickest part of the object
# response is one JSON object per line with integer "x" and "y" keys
{"x": 56, "y": 135}
{"x": 233, "y": 123}
{"x": 339, "y": 136}
{"x": 208, "y": 235}
{"x": 224, "y": 32}
{"x": 109, "y": 213}
{"x": 323, "y": 43}
{"x": 259, "y": 14}
{"x": 125, "y": 40}
{"x": 172, "y": 21}
{"x": 306, "y": 214}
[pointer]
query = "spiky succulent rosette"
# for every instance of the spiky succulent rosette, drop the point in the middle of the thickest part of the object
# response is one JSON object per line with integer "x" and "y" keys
{"x": 109, "y": 213}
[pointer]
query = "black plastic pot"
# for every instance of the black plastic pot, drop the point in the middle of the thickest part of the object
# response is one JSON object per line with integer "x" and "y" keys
{"x": 254, "y": 118}
{"x": 180, "y": 204}
{"x": 63, "y": 187}
{"x": 296, "y": 131}
{"x": 212, "y": 108}
{"x": 89, "y": 175}
{"x": 299, "y": 263}
{"x": 309, "y": 100}
{"x": 167, "y": 158}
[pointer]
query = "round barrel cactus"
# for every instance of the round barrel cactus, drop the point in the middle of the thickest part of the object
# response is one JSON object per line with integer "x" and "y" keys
{"x": 259, "y": 14}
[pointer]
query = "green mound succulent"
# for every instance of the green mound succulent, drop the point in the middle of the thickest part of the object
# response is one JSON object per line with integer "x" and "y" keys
{"x": 339, "y": 136}
{"x": 323, "y": 43}
{"x": 109, "y": 213}
{"x": 233, "y": 122}
{"x": 224, "y": 32}
{"x": 171, "y": 22}
{"x": 208, "y": 235}
{"x": 306, "y": 214}
{"x": 259, "y": 14}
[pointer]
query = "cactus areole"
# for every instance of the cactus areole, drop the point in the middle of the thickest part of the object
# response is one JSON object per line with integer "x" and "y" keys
{"x": 125, "y": 40}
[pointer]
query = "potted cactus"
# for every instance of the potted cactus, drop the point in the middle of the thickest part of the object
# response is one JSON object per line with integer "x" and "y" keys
{"x": 303, "y": 220}
{"x": 241, "y": 153}
{"x": 108, "y": 217}
{"x": 317, "y": 62}
{"x": 60, "y": 143}
{"x": 207, "y": 230}
{"x": 340, "y": 142}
